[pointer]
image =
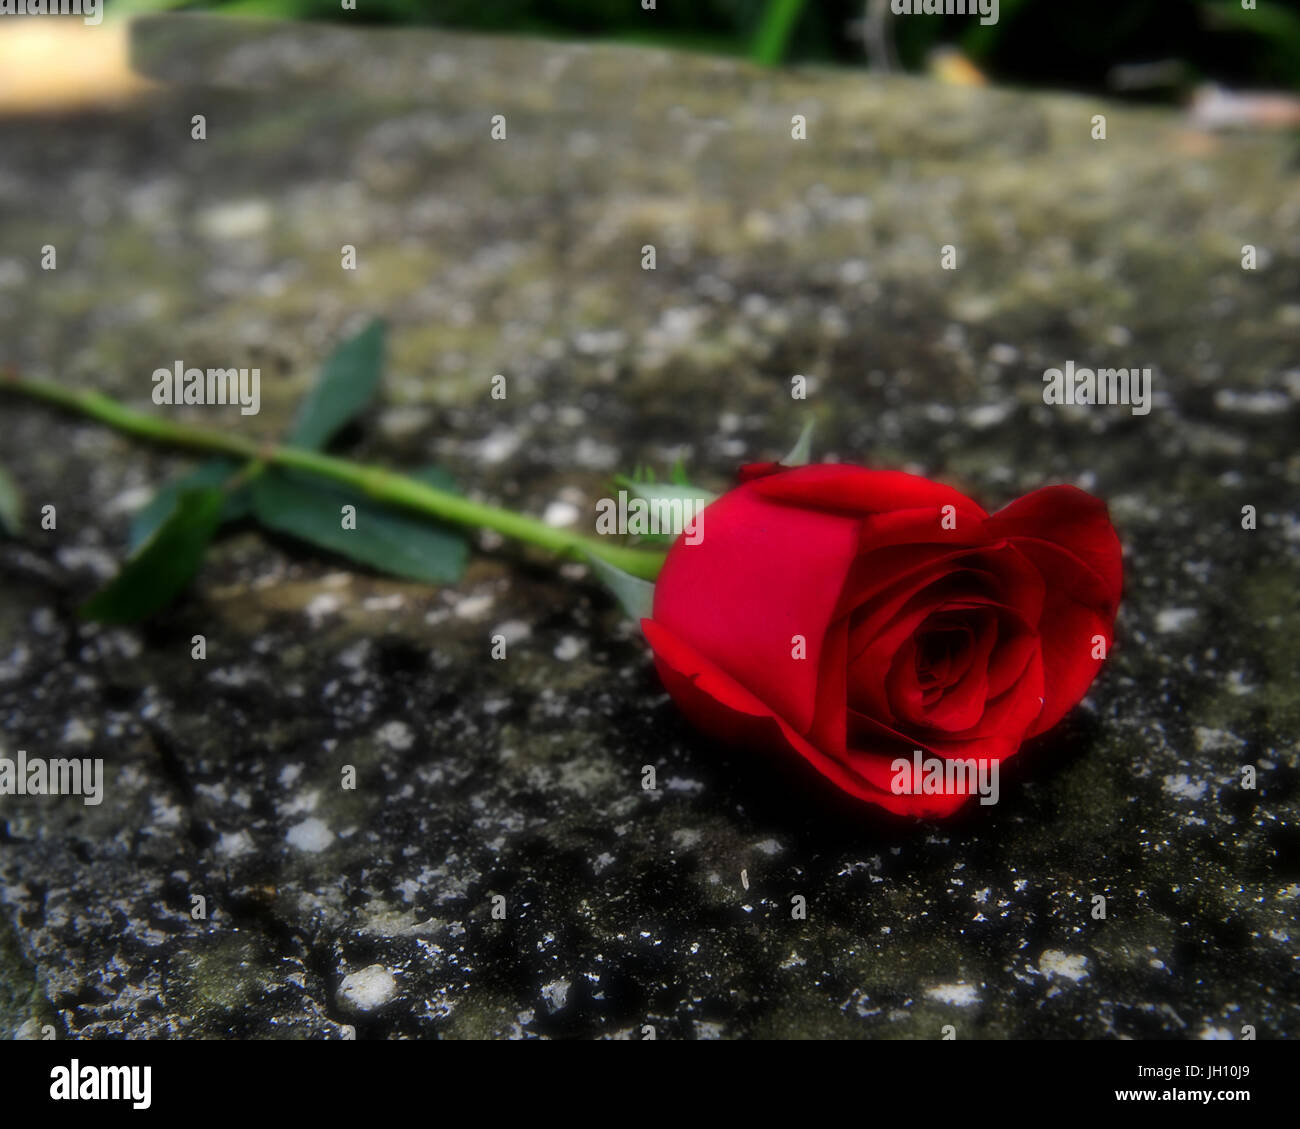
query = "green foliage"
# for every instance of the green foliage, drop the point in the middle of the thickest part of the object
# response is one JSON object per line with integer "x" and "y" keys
{"x": 635, "y": 596}
{"x": 164, "y": 564}
{"x": 1270, "y": 32}
{"x": 643, "y": 484}
{"x": 801, "y": 452}
{"x": 384, "y": 539}
{"x": 215, "y": 472}
{"x": 650, "y": 490}
{"x": 346, "y": 386}
{"x": 773, "y": 38}
{"x": 170, "y": 534}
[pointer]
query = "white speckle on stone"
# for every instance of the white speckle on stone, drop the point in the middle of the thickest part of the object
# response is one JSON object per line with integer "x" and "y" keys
{"x": 1216, "y": 740}
{"x": 602, "y": 862}
{"x": 233, "y": 844}
{"x": 854, "y": 271}
{"x": 1053, "y": 962}
{"x": 592, "y": 342}
{"x": 682, "y": 784}
{"x": 311, "y": 835}
{"x": 404, "y": 420}
{"x": 166, "y": 814}
{"x": 368, "y": 988}
{"x": 794, "y": 960}
{"x": 561, "y": 514}
{"x": 300, "y": 803}
{"x": 1264, "y": 402}
{"x": 12, "y": 273}
{"x": 1184, "y": 788}
{"x": 955, "y": 995}
{"x": 987, "y": 415}
{"x": 498, "y": 446}
{"x": 568, "y": 648}
{"x": 76, "y": 557}
{"x": 1170, "y": 620}
{"x": 321, "y": 606}
{"x": 1238, "y": 685}
{"x": 556, "y": 994}
{"x": 471, "y": 607}
{"x": 289, "y": 775}
{"x": 77, "y": 732}
{"x": 232, "y": 676}
{"x": 513, "y": 631}
{"x": 768, "y": 847}
{"x": 587, "y": 452}
{"x": 355, "y": 656}
{"x": 396, "y": 735}
{"x": 128, "y": 501}
{"x": 391, "y": 603}
{"x": 239, "y": 219}
{"x": 1217, "y": 1033}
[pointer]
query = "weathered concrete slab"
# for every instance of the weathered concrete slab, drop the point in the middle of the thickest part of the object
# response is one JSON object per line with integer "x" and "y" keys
{"x": 522, "y": 778}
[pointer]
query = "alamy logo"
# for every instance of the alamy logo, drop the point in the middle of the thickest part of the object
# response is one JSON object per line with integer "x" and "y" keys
{"x": 181, "y": 385}
{"x": 36, "y": 776}
{"x": 642, "y": 516}
{"x": 945, "y": 776}
{"x": 101, "y": 1083}
{"x": 987, "y": 10}
{"x": 90, "y": 11}
{"x": 1104, "y": 386}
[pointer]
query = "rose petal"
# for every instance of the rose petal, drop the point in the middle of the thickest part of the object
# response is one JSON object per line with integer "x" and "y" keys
{"x": 1073, "y": 520}
{"x": 760, "y": 575}
{"x": 859, "y": 491}
{"x": 719, "y": 706}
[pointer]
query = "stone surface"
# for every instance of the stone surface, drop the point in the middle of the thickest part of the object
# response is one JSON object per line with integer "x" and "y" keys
{"x": 335, "y": 913}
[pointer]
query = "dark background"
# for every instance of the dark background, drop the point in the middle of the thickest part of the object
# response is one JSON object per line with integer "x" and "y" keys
{"x": 1071, "y": 46}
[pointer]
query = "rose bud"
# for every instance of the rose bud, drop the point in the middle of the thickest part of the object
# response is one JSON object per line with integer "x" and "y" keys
{"x": 862, "y": 618}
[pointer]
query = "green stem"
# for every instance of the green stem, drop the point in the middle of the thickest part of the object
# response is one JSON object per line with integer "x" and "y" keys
{"x": 382, "y": 485}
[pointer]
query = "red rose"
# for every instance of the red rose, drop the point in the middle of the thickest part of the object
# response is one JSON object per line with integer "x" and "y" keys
{"x": 926, "y": 623}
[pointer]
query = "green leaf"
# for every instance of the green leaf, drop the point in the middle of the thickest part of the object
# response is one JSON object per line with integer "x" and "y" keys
{"x": 212, "y": 473}
{"x": 635, "y": 596}
{"x": 11, "y": 504}
{"x": 1270, "y": 21}
{"x": 346, "y": 385}
{"x": 386, "y": 539}
{"x": 164, "y": 564}
{"x": 651, "y": 491}
{"x": 801, "y": 452}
